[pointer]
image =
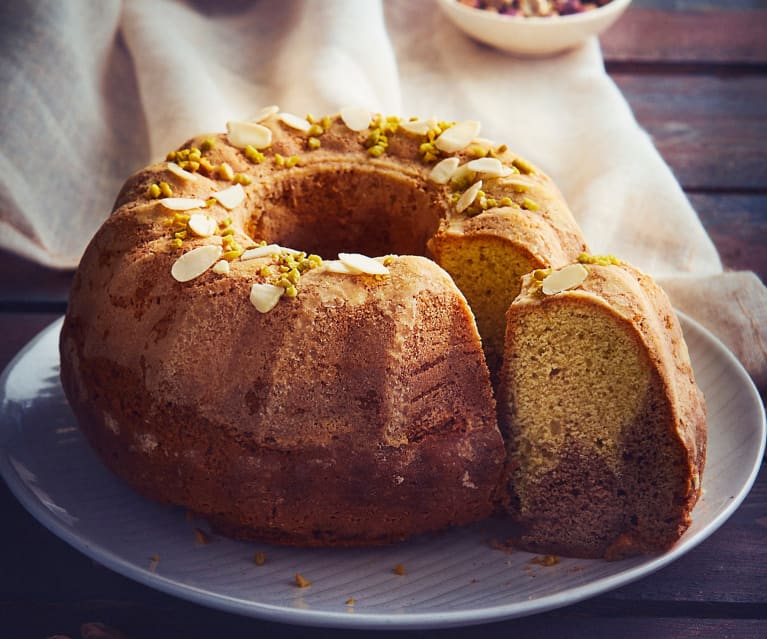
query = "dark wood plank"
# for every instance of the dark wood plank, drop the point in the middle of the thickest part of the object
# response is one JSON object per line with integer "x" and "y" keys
{"x": 27, "y": 285}
{"x": 737, "y": 225}
{"x": 697, "y": 32}
{"x": 709, "y": 128}
{"x": 183, "y": 620}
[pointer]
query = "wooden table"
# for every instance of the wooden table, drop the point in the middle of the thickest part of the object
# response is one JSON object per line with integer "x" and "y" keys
{"x": 696, "y": 76}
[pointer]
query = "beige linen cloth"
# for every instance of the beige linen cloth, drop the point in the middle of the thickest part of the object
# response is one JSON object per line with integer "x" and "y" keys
{"x": 91, "y": 91}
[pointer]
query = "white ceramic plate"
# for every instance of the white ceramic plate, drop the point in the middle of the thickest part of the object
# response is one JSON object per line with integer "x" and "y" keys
{"x": 452, "y": 579}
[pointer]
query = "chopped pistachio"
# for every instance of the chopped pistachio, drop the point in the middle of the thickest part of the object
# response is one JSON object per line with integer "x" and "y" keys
{"x": 601, "y": 260}
{"x": 232, "y": 254}
{"x": 529, "y": 204}
{"x": 313, "y": 143}
{"x": 165, "y": 189}
{"x": 523, "y": 166}
{"x": 294, "y": 275}
{"x": 375, "y": 137}
{"x": 391, "y": 124}
{"x": 315, "y": 130}
{"x": 426, "y": 147}
{"x": 254, "y": 155}
{"x": 241, "y": 178}
{"x": 207, "y": 144}
{"x": 377, "y": 151}
{"x": 154, "y": 191}
{"x": 224, "y": 171}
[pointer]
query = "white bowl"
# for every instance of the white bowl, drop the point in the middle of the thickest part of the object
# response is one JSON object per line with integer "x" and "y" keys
{"x": 532, "y": 36}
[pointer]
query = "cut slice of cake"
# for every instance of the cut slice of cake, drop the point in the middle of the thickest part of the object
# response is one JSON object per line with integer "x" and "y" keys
{"x": 605, "y": 425}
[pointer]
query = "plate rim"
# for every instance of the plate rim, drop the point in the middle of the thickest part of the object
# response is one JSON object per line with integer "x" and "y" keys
{"x": 375, "y": 620}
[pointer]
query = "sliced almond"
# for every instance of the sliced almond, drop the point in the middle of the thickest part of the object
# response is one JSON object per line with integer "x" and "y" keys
{"x": 242, "y": 134}
{"x": 484, "y": 142}
{"x": 181, "y": 173}
{"x": 202, "y": 225}
{"x": 195, "y": 262}
{"x": 356, "y": 118}
{"x": 564, "y": 279}
{"x": 295, "y": 122}
{"x": 265, "y": 296}
{"x": 490, "y": 167}
{"x": 221, "y": 267}
{"x": 444, "y": 170}
{"x": 231, "y": 197}
{"x": 337, "y": 266}
{"x": 458, "y": 136}
{"x": 264, "y": 251}
{"x": 264, "y": 113}
{"x": 517, "y": 182}
{"x": 419, "y": 127}
{"x": 362, "y": 264}
{"x": 181, "y": 203}
{"x": 468, "y": 197}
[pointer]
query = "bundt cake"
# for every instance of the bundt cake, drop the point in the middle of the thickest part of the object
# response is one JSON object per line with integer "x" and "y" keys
{"x": 604, "y": 423}
{"x": 218, "y": 357}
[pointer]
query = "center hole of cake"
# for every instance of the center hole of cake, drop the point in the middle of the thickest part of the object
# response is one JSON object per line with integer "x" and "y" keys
{"x": 347, "y": 210}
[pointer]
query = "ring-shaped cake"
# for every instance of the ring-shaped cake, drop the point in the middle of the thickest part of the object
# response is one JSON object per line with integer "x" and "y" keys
{"x": 218, "y": 357}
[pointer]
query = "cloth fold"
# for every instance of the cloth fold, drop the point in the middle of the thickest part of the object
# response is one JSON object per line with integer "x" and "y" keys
{"x": 93, "y": 91}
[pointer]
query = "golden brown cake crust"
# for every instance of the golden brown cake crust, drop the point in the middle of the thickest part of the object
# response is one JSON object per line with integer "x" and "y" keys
{"x": 583, "y": 506}
{"x": 358, "y": 411}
